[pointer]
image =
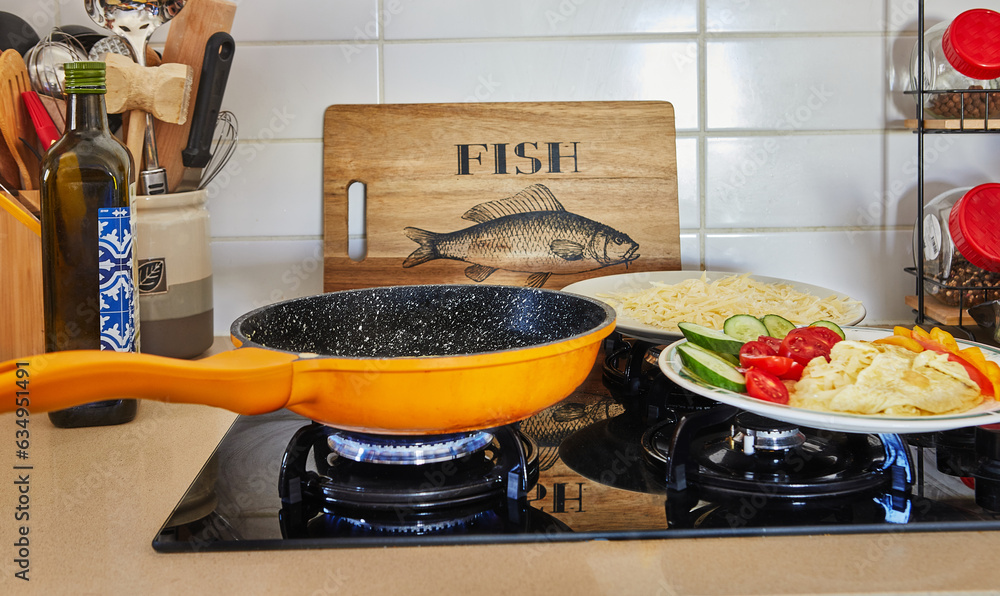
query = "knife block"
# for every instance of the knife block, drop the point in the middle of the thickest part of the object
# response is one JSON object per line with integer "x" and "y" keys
{"x": 21, "y": 322}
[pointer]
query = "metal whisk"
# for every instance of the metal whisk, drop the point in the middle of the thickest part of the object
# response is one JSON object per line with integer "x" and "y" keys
{"x": 224, "y": 142}
{"x": 45, "y": 62}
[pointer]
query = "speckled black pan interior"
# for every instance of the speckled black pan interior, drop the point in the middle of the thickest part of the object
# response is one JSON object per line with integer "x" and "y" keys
{"x": 427, "y": 320}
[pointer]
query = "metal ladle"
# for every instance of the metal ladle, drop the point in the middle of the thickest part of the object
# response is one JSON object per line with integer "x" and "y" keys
{"x": 135, "y": 21}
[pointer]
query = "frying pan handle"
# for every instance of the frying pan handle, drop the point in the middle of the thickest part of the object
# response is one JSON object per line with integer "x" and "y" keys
{"x": 245, "y": 381}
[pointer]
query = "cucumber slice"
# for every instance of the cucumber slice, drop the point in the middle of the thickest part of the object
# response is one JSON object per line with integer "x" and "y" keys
{"x": 777, "y": 326}
{"x": 730, "y": 358}
{"x": 712, "y": 369}
{"x": 710, "y": 339}
{"x": 830, "y": 325}
{"x": 744, "y": 327}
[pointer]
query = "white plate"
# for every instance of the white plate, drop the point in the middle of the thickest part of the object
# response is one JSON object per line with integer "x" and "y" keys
{"x": 630, "y": 282}
{"x": 987, "y": 412}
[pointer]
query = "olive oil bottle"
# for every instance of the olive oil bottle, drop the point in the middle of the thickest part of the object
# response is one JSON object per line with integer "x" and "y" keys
{"x": 88, "y": 264}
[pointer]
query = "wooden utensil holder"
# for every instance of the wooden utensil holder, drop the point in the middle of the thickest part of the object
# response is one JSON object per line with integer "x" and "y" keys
{"x": 21, "y": 324}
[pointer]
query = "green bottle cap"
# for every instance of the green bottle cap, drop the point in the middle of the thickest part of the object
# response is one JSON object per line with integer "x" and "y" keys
{"x": 84, "y": 77}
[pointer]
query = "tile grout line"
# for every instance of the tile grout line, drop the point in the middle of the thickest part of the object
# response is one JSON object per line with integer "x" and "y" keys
{"x": 672, "y": 37}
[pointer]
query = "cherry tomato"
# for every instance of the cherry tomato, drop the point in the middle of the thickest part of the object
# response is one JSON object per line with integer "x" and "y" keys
{"x": 794, "y": 373}
{"x": 763, "y": 385}
{"x": 758, "y": 348}
{"x": 803, "y": 347}
{"x": 773, "y": 342}
{"x": 827, "y": 336}
{"x": 776, "y": 365}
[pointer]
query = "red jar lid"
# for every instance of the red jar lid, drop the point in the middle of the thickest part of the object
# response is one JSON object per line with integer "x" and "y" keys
{"x": 975, "y": 226}
{"x": 971, "y": 43}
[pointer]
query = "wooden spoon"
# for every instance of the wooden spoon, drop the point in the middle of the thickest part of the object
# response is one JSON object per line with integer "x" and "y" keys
{"x": 15, "y": 123}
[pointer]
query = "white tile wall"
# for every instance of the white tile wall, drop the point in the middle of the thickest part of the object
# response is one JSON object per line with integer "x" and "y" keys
{"x": 688, "y": 193}
{"x": 795, "y": 83}
{"x": 545, "y": 71}
{"x": 866, "y": 265}
{"x": 793, "y": 16}
{"x": 800, "y": 181}
{"x": 442, "y": 19}
{"x": 792, "y": 156}
{"x": 285, "y": 172}
{"x": 252, "y": 273}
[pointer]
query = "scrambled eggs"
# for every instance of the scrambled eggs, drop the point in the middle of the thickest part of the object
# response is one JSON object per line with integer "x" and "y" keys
{"x": 867, "y": 378}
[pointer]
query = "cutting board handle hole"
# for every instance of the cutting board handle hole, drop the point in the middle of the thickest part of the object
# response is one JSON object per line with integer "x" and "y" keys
{"x": 357, "y": 233}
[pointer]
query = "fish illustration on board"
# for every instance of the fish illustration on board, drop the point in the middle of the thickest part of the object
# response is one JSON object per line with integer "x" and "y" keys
{"x": 529, "y": 232}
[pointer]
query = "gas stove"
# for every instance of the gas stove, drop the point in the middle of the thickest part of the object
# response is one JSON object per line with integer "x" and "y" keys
{"x": 629, "y": 455}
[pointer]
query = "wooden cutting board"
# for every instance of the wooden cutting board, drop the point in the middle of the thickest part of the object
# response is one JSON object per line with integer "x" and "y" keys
{"x": 540, "y": 194}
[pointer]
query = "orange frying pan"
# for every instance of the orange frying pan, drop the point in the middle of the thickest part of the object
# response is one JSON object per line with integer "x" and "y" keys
{"x": 396, "y": 360}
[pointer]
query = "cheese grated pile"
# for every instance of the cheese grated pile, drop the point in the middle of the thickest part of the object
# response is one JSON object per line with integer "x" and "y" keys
{"x": 707, "y": 303}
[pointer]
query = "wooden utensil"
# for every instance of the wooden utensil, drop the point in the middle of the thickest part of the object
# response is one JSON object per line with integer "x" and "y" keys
{"x": 21, "y": 324}
{"x": 163, "y": 91}
{"x": 185, "y": 44}
{"x": 8, "y": 166}
{"x": 426, "y": 167}
{"x": 21, "y": 213}
{"x": 15, "y": 124}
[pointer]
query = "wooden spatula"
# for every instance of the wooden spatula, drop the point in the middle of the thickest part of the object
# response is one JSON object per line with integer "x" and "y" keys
{"x": 8, "y": 166}
{"x": 15, "y": 123}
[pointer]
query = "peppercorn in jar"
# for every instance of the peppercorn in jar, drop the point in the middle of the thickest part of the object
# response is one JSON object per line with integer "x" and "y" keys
{"x": 961, "y": 246}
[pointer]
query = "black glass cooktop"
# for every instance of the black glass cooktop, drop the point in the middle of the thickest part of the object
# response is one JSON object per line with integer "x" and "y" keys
{"x": 591, "y": 467}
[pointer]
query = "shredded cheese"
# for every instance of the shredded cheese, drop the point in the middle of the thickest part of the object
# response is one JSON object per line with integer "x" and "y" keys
{"x": 707, "y": 303}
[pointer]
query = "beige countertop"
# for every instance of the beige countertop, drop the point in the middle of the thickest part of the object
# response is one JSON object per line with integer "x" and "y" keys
{"x": 96, "y": 498}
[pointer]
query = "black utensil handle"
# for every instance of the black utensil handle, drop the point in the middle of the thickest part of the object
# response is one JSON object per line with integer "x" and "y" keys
{"x": 219, "y": 51}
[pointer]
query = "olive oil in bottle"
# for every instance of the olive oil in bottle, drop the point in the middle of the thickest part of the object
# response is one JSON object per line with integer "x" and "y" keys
{"x": 88, "y": 265}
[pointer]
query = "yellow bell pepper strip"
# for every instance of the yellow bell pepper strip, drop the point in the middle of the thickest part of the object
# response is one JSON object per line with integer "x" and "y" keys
{"x": 993, "y": 373}
{"x": 898, "y": 340}
{"x": 945, "y": 339}
{"x": 903, "y": 331}
{"x": 924, "y": 339}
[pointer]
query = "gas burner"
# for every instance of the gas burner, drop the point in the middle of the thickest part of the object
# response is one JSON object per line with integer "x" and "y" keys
{"x": 633, "y": 377}
{"x": 753, "y": 432}
{"x": 757, "y": 456}
{"x": 452, "y": 484}
{"x": 445, "y": 526}
{"x": 393, "y": 450}
{"x": 506, "y": 466}
{"x": 330, "y": 524}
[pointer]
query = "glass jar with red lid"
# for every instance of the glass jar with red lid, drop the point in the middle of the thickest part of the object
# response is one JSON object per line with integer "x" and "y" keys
{"x": 963, "y": 54}
{"x": 961, "y": 245}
